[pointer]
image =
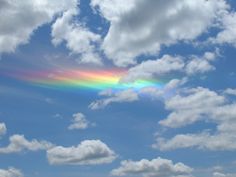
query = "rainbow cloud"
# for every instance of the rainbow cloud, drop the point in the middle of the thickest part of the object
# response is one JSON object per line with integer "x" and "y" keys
{"x": 84, "y": 79}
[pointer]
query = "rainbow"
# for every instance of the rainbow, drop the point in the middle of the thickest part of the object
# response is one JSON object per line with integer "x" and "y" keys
{"x": 84, "y": 79}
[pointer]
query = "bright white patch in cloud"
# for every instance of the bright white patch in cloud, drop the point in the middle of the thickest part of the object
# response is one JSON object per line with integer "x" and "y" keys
{"x": 79, "y": 39}
{"x": 154, "y": 168}
{"x": 143, "y": 26}
{"x": 20, "y": 18}
{"x": 3, "y": 129}
{"x": 89, "y": 152}
{"x": 119, "y": 97}
{"x": 79, "y": 122}
{"x": 18, "y": 143}
{"x": 11, "y": 172}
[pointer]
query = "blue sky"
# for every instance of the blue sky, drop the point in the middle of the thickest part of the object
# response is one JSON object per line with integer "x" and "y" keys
{"x": 185, "y": 128}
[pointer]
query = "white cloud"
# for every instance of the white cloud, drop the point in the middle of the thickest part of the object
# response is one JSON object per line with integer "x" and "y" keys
{"x": 89, "y": 152}
{"x": 11, "y": 172}
{"x": 168, "y": 65}
{"x": 3, "y": 129}
{"x": 196, "y": 105}
{"x": 230, "y": 91}
{"x": 19, "y": 19}
{"x": 119, "y": 97}
{"x": 201, "y": 64}
{"x": 217, "y": 174}
{"x": 133, "y": 32}
{"x": 18, "y": 143}
{"x": 200, "y": 104}
{"x": 130, "y": 95}
{"x": 215, "y": 142}
{"x": 79, "y": 122}
{"x": 79, "y": 39}
{"x": 151, "y": 68}
{"x": 228, "y": 33}
{"x": 164, "y": 93}
{"x": 154, "y": 168}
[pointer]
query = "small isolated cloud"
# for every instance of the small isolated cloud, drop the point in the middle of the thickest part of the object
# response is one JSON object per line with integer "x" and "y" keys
{"x": 119, "y": 97}
{"x": 152, "y": 168}
{"x": 88, "y": 152}
{"x": 3, "y": 129}
{"x": 230, "y": 91}
{"x": 79, "y": 122}
{"x": 11, "y": 172}
{"x": 18, "y": 143}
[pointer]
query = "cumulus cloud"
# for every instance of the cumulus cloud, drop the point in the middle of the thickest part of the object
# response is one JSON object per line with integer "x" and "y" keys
{"x": 88, "y": 152}
{"x": 201, "y": 64}
{"x": 152, "y": 168}
{"x": 217, "y": 174}
{"x": 230, "y": 91}
{"x": 79, "y": 122}
{"x": 150, "y": 68}
{"x": 196, "y": 105}
{"x": 157, "y": 69}
{"x": 19, "y": 19}
{"x": 3, "y": 129}
{"x": 215, "y": 142}
{"x": 228, "y": 34}
{"x": 78, "y": 38}
{"x": 18, "y": 143}
{"x": 119, "y": 97}
{"x": 168, "y": 65}
{"x": 11, "y": 172}
{"x": 133, "y": 32}
{"x": 200, "y": 104}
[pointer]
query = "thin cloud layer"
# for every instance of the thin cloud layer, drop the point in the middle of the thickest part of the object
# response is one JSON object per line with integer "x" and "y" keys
{"x": 123, "y": 96}
{"x": 11, "y": 172}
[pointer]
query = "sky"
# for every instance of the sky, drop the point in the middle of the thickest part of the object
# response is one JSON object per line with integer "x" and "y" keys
{"x": 102, "y": 88}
